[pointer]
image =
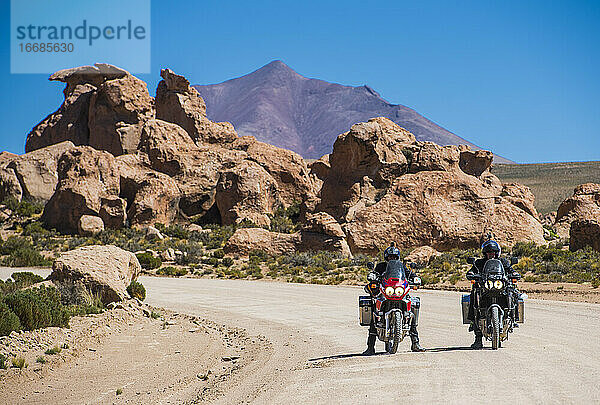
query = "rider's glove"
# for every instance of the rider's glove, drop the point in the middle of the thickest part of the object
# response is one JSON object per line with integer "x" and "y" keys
{"x": 372, "y": 276}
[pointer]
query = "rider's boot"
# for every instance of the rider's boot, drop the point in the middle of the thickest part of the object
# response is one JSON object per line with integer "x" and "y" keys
{"x": 478, "y": 343}
{"x": 370, "y": 346}
{"x": 416, "y": 347}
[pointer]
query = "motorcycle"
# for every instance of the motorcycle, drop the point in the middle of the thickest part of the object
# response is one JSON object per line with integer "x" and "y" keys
{"x": 496, "y": 309}
{"x": 389, "y": 304}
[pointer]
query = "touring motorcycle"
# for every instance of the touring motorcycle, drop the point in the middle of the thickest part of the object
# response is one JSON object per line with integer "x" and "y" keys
{"x": 389, "y": 304}
{"x": 498, "y": 305}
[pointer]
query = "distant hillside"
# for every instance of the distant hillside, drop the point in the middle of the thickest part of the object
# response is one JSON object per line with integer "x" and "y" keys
{"x": 281, "y": 107}
{"x": 551, "y": 183}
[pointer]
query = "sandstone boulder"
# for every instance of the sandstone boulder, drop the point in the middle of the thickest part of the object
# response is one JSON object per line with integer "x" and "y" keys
{"x": 37, "y": 171}
{"x": 104, "y": 107}
{"x": 151, "y": 196}
{"x": 246, "y": 192}
{"x": 364, "y": 160}
{"x": 181, "y": 104}
{"x": 195, "y": 169}
{"x": 421, "y": 256}
{"x": 118, "y": 109}
{"x": 93, "y": 75}
{"x": 244, "y": 240}
{"x": 88, "y": 184}
{"x": 584, "y": 204}
{"x": 431, "y": 156}
{"x": 68, "y": 123}
{"x": 323, "y": 223}
{"x": 583, "y": 233}
{"x": 90, "y": 225}
{"x": 521, "y": 197}
{"x": 287, "y": 168}
{"x": 476, "y": 162}
{"x": 102, "y": 270}
{"x": 443, "y": 210}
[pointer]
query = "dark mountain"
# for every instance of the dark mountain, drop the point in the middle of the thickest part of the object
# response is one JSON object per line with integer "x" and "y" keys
{"x": 278, "y": 106}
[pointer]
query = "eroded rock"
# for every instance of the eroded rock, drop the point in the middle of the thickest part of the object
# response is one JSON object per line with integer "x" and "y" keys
{"x": 102, "y": 270}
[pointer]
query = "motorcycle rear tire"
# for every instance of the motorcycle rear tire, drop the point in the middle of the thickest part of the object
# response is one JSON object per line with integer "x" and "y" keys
{"x": 391, "y": 346}
{"x": 495, "y": 328}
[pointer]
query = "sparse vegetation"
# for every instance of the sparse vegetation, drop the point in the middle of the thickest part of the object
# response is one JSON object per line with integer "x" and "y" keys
{"x": 18, "y": 362}
{"x": 3, "y": 359}
{"x": 148, "y": 261}
{"x": 23, "y": 209}
{"x": 155, "y": 315}
{"x": 136, "y": 290}
{"x": 119, "y": 391}
{"x": 41, "y": 360}
{"x": 54, "y": 350}
{"x": 551, "y": 183}
{"x": 172, "y": 271}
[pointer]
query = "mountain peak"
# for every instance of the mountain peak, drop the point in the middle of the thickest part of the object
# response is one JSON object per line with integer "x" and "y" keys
{"x": 277, "y": 105}
{"x": 275, "y": 68}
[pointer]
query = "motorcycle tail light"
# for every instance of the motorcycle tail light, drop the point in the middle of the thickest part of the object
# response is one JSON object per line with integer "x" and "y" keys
{"x": 408, "y": 303}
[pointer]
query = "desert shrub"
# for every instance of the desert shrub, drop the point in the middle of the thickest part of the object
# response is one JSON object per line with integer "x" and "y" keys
{"x": 192, "y": 252}
{"x": 3, "y": 362}
{"x": 26, "y": 256}
{"x": 172, "y": 271}
{"x": 26, "y": 278}
{"x": 23, "y": 209}
{"x": 9, "y": 321}
{"x": 148, "y": 261}
{"x": 18, "y": 362}
{"x": 53, "y": 350}
{"x": 41, "y": 360}
{"x": 174, "y": 231}
{"x": 38, "y": 308}
{"x": 285, "y": 220}
{"x": 136, "y": 290}
{"x": 89, "y": 302}
{"x": 217, "y": 237}
{"x": 227, "y": 262}
{"x": 219, "y": 254}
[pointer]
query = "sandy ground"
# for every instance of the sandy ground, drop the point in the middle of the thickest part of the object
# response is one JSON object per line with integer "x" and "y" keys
{"x": 552, "y": 358}
{"x": 302, "y": 343}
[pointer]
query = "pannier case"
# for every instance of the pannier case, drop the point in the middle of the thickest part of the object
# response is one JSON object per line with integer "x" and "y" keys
{"x": 521, "y": 310}
{"x": 465, "y": 301}
{"x": 364, "y": 310}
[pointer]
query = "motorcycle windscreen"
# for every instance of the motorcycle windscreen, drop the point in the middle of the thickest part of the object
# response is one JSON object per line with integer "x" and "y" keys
{"x": 493, "y": 268}
{"x": 395, "y": 269}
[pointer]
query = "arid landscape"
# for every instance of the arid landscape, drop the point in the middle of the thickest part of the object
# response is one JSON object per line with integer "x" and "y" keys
{"x": 192, "y": 264}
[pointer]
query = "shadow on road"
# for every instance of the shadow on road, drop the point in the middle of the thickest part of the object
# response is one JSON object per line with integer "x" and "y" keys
{"x": 453, "y": 349}
{"x": 345, "y": 356}
{"x": 432, "y": 350}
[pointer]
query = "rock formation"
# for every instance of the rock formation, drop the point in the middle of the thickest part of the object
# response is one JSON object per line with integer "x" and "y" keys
{"x": 112, "y": 155}
{"x": 383, "y": 185}
{"x": 102, "y": 270}
{"x": 583, "y": 205}
{"x": 88, "y": 184}
{"x": 32, "y": 176}
{"x": 181, "y": 104}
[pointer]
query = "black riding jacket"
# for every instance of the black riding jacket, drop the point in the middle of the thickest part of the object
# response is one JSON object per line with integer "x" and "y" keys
{"x": 479, "y": 263}
{"x": 380, "y": 269}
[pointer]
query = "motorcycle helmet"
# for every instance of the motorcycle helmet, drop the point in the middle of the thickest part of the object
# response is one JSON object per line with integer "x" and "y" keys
{"x": 391, "y": 253}
{"x": 491, "y": 246}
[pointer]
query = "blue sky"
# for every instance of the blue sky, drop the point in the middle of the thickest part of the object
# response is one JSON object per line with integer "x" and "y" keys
{"x": 517, "y": 77}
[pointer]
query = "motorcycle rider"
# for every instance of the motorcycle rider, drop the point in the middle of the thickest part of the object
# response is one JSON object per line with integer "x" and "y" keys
{"x": 391, "y": 253}
{"x": 490, "y": 249}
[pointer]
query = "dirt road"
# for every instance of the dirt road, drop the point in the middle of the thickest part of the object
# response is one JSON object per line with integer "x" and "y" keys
{"x": 553, "y": 358}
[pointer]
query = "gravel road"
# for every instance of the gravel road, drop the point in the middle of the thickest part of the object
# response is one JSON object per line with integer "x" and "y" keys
{"x": 553, "y": 358}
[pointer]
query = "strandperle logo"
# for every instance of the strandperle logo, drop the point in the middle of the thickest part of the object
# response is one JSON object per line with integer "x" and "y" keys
{"x": 84, "y": 31}
{"x": 50, "y": 35}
